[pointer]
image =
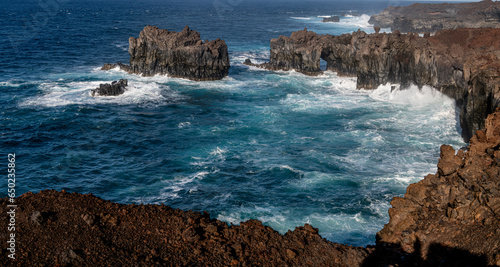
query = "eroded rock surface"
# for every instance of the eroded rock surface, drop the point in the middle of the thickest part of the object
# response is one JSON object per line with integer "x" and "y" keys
{"x": 458, "y": 207}
{"x": 422, "y": 18}
{"x": 69, "y": 229}
{"x": 331, "y": 19}
{"x": 177, "y": 54}
{"x": 113, "y": 89}
{"x": 463, "y": 64}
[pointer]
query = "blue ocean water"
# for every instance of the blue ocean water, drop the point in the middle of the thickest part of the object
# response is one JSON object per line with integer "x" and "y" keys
{"x": 280, "y": 147}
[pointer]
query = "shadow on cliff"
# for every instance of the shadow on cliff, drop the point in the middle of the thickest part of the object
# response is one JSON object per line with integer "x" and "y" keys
{"x": 386, "y": 254}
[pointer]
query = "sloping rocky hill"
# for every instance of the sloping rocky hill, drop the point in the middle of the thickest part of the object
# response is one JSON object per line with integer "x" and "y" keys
{"x": 421, "y": 18}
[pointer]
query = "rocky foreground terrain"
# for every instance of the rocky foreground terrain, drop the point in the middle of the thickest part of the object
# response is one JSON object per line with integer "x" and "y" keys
{"x": 451, "y": 218}
{"x": 177, "y": 54}
{"x": 421, "y": 18}
{"x": 463, "y": 64}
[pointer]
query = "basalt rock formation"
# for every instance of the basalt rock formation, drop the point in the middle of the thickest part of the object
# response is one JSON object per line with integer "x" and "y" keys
{"x": 113, "y": 89}
{"x": 451, "y": 218}
{"x": 331, "y": 19}
{"x": 177, "y": 54}
{"x": 463, "y": 64}
{"x": 422, "y": 18}
{"x": 458, "y": 207}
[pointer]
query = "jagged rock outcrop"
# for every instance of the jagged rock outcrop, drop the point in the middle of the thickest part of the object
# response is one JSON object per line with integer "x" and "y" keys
{"x": 463, "y": 64}
{"x": 63, "y": 229}
{"x": 113, "y": 89}
{"x": 177, "y": 54}
{"x": 423, "y": 18}
{"x": 458, "y": 207}
{"x": 331, "y": 19}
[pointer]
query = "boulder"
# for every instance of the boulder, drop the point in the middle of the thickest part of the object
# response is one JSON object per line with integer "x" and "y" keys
{"x": 113, "y": 89}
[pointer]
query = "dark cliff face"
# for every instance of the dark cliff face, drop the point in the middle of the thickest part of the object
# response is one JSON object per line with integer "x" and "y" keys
{"x": 462, "y": 63}
{"x": 178, "y": 54}
{"x": 433, "y": 17}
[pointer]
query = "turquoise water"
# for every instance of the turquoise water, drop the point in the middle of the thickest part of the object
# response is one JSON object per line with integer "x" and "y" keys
{"x": 280, "y": 147}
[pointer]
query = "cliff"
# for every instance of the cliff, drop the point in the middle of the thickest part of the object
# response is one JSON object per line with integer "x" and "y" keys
{"x": 451, "y": 218}
{"x": 463, "y": 64}
{"x": 458, "y": 207}
{"x": 422, "y": 18}
{"x": 177, "y": 54}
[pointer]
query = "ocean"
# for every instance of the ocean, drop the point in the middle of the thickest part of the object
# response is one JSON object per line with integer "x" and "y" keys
{"x": 280, "y": 147}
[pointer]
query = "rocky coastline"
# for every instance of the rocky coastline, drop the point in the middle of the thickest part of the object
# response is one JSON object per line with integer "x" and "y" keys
{"x": 177, "y": 54}
{"x": 421, "y": 18}
{"x": 451, "y": 218}
{"x": 464, "y": 64}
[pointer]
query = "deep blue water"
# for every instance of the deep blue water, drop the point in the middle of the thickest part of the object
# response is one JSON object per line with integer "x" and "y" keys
{"x": 280, "y": 147}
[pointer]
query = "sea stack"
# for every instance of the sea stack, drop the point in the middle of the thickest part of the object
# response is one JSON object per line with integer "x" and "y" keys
{"x": 177, "y": 54}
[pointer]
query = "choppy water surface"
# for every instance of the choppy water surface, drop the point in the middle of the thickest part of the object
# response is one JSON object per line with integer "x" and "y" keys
{"x": 280, "y": 147}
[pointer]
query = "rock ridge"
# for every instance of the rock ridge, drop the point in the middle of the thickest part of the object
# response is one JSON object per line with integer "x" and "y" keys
{"x": 423, "y": 18}
{"x": 464, "y": 64}
{"x": 177, "y": 54}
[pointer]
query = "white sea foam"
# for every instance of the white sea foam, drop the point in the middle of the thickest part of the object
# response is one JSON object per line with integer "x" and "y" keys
{"x": 61, "y": 93}
{"x": 413, "y": 96}
{"x": 15, "y": 83}
{"x": 301, "y": 18}
{"x": 184, "y": 124}
{"x": 356, "y": 21}
{"x": 218, "y": 152}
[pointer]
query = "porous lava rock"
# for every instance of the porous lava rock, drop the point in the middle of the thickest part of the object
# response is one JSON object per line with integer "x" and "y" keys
{"x": 177, "y": 54}
{"x": 113, "y": 89}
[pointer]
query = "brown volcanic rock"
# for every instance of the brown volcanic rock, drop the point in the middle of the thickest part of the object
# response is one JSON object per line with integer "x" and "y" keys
{"x": 423, "y": 18}
{"x": 462, "y": 63}
{"x": 458, "y": 207}
{"x": 62, "y": 229}
{"x": 178, "y": 54}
